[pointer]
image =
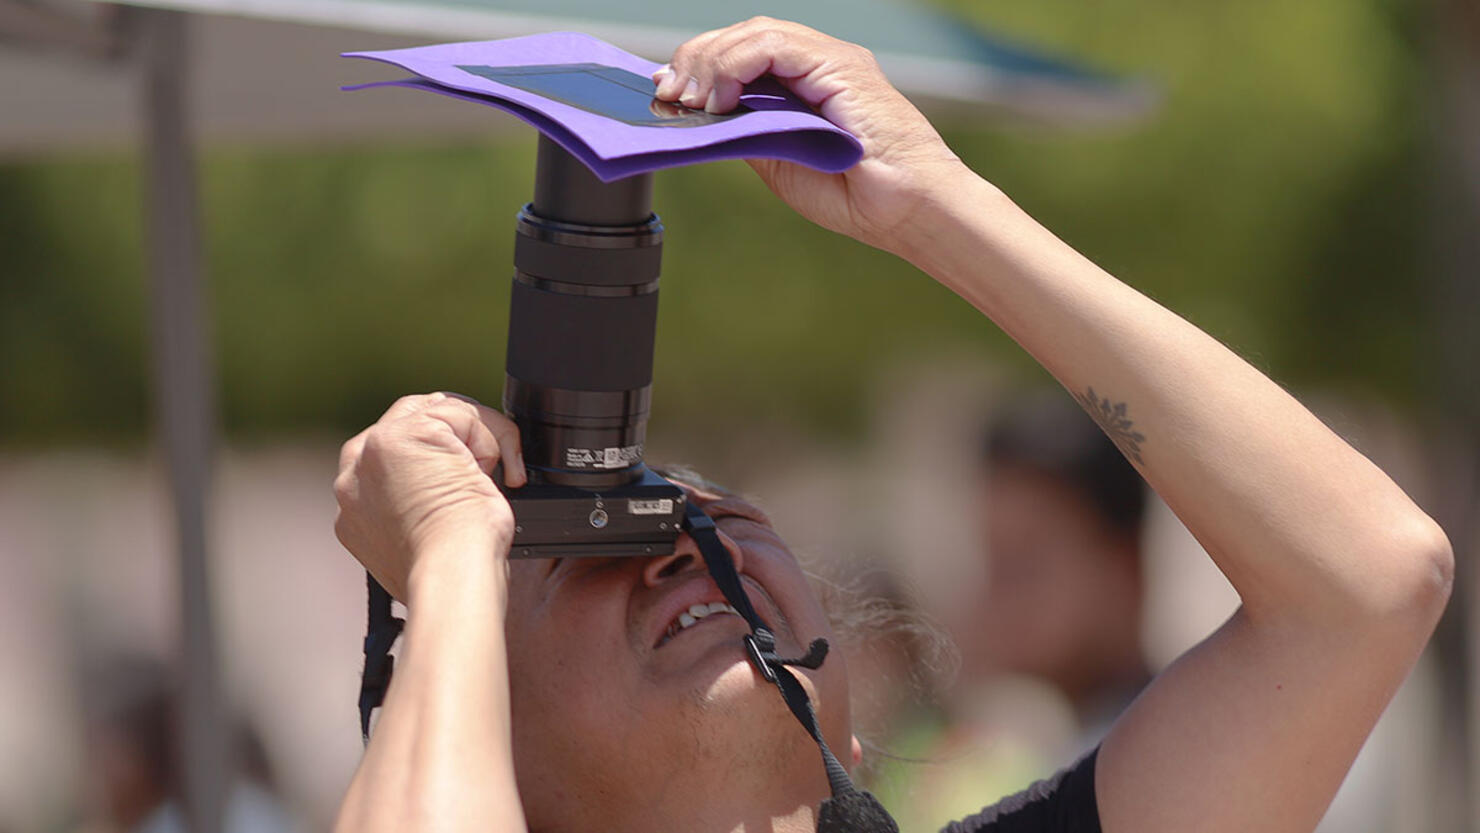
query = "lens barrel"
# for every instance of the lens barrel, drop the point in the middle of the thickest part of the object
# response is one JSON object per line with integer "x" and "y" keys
{"x": 582, "y": 320}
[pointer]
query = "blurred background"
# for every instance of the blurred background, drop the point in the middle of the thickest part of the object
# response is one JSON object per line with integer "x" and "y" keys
{"x": 214, "y": 267}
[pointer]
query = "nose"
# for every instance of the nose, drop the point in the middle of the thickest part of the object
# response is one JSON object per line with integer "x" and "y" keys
{"x": 686, "y": 557}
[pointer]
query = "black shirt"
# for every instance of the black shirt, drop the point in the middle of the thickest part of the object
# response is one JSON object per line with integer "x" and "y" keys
{"x": 1064, "y": 803}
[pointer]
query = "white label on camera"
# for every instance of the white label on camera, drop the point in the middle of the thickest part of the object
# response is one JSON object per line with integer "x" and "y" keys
{"x": 659, "y": 506}
{"x": 602, "y": 458}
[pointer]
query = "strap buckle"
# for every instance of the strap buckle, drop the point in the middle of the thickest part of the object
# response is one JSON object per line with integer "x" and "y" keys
{"x": 757, "y": 653}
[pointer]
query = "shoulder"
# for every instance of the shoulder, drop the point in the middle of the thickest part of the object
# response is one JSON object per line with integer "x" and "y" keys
{"x": 1064, "y": 803}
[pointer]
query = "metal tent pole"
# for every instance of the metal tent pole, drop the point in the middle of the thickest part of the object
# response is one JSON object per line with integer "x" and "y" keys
{"x": 183, "y": 401}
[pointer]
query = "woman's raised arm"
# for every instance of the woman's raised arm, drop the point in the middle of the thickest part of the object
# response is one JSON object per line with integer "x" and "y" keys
{"x": 418, "y": 509}
{"x": 1342, "y": 577}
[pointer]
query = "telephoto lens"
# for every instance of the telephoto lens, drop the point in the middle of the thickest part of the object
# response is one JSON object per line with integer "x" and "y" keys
{"x": 582, "y": 321}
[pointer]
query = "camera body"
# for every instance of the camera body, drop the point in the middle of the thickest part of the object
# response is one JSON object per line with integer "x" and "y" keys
{"x": 638, "y": 518}
{"x": 583, "y": 316}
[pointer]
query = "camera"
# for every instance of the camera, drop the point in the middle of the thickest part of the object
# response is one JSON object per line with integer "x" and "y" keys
{"x": 583, "y": 315}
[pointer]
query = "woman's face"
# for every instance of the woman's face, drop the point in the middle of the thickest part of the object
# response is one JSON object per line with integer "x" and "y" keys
{"x": 625, "y": 719}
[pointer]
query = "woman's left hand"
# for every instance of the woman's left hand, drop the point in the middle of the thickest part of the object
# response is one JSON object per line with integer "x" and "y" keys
{"x": 905, "y": 161}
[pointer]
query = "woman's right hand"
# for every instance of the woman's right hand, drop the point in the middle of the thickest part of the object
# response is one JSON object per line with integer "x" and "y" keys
{"x": 416, "y": 486}
{"x": 904, "y": 162}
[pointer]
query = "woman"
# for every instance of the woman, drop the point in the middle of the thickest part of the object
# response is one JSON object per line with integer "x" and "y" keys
{"x": 562, "y": 695}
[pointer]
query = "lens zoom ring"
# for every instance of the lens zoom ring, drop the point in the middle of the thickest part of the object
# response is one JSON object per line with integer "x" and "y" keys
{"x": 581, "y": 342}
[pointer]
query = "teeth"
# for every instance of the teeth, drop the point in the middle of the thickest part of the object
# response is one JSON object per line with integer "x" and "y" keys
{"x": 694, "y": 614}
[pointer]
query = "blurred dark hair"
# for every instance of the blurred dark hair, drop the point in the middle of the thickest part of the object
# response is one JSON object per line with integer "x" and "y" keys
{"x": 1049, "y": 434}
{"x": 134, "y": 699}
{"x": 137, "y": 700}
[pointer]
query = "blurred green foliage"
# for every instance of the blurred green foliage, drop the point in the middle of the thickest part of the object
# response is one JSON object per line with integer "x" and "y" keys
{"x": 1277, "y": 199}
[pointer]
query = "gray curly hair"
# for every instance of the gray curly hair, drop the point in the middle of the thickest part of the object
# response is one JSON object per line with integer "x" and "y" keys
{"x": 875, "y": 620}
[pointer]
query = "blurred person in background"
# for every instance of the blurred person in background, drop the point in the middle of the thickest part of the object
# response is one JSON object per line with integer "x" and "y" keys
{"x": 133, "y": 757}
{"x": 1061, "y": 605}
{"x": 1064, "y": 586}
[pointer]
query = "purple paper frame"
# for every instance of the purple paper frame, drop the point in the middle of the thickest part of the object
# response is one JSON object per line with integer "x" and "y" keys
{"x": 779, "y": 127}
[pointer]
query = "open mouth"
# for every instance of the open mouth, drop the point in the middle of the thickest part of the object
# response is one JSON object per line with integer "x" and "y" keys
{"x": 693, "y": 616}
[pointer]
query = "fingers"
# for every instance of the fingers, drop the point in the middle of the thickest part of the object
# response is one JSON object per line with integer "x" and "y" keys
{"x": 711, "y": 70}
{"x": 678, "y": 85}
{"x": 408, "y": 405}
{"x": 488, "y": 435}
{"x": 506, "y": 441}
{"x": 736, "y": 57}
{"x": 350, "y": 452}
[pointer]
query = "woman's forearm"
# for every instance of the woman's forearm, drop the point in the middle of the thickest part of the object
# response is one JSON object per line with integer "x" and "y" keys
{"x": 440, "y": 758}
{"x": 1342, "y": 578}
{"x": 1301, "y": 523}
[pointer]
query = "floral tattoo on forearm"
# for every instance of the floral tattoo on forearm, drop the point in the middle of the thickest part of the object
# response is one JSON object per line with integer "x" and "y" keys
{"x": 1112, "y": 419}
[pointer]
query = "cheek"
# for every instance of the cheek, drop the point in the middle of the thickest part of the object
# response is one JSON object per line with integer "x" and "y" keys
{"x": 567, "y": 664}
{"x": 571, "y": 694}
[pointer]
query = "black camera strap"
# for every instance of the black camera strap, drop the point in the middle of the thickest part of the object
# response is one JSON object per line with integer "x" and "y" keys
{"x": 381, "y": 630}
{"x": 850, "y": 810}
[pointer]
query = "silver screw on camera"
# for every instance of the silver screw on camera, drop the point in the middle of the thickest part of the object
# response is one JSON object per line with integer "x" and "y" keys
{"x": 598, "y": 518}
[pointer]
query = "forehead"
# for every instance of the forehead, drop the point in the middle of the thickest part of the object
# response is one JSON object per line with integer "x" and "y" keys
{"x": 713, "y": 498}
{"x": 719, "y": 504}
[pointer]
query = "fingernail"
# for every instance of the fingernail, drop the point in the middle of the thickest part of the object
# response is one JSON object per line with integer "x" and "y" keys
{"x": 691, "y": 93}
{"x": 661, "y": 71}
{"x": 668, "y": 86}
